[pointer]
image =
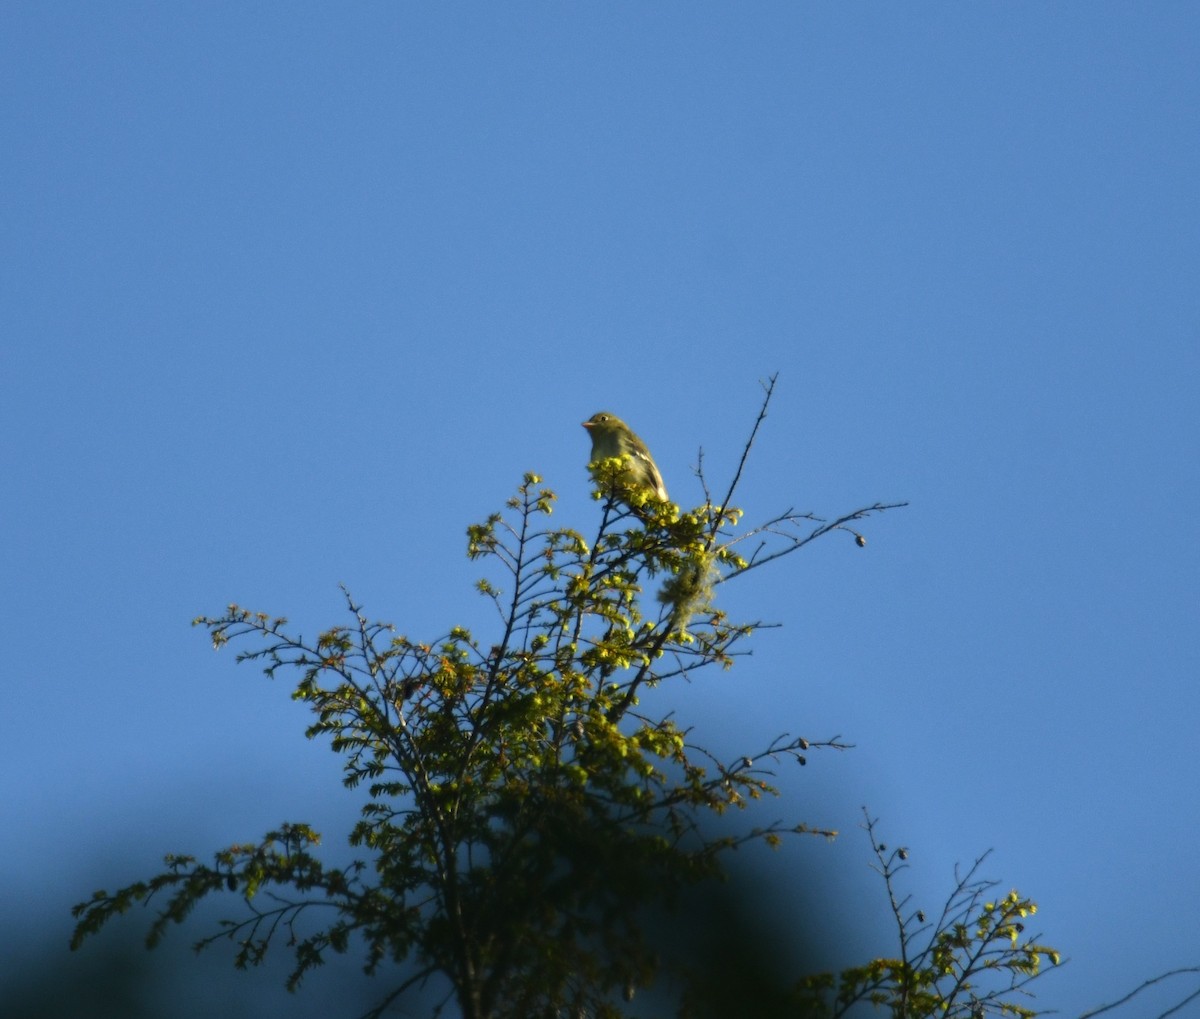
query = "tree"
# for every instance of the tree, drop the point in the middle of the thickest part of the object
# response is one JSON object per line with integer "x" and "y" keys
{"x": 967, "y": 964}
{"x": 524, "y": 814}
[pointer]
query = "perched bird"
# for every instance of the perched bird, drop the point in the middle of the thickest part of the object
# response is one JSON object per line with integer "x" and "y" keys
{"x": 611, "y": 437}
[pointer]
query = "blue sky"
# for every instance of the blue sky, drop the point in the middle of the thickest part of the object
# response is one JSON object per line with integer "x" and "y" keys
{"x": 290, "y": 294}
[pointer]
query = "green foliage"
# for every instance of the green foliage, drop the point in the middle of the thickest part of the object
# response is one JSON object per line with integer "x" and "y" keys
{"x": 522, "y": 813}
{"x": 966, "y": 965}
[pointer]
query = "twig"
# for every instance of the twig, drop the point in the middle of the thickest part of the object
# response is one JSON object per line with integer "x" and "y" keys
{"x": 1141, "y": 987}
{"x": 769, "y": 387}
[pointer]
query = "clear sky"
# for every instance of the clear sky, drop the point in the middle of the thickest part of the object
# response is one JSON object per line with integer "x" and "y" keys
{"x": 292, "y": 293}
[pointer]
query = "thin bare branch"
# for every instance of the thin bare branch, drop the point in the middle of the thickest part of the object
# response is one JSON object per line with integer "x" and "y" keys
{"x": 1144, "y": 985}
{"x": 769, "y": 389}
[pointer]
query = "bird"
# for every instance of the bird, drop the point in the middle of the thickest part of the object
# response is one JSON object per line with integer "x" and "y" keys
{"x": 611, "y": 437}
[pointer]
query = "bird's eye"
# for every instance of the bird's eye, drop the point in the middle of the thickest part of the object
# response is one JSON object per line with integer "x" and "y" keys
{"x": 603, "y": 418}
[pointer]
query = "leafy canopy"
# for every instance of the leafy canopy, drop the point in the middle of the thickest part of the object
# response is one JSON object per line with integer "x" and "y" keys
{"x": 523, "y": 814}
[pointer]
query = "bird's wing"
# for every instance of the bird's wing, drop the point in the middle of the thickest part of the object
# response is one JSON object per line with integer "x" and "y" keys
{"x": 647, "y": 461}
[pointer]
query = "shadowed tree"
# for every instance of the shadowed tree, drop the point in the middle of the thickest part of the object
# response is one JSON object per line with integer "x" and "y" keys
{"x": 527, "y": 821}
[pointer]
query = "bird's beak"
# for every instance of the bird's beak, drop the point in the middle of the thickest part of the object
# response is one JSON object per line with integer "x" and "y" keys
{"x": 586, "y": 424}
